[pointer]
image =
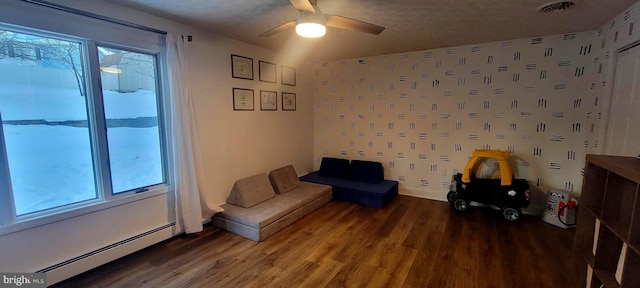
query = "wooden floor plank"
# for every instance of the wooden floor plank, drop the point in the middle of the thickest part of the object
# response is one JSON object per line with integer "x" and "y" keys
{"x": 327, "y": 269}
{"x": 426, "y": 237}
{"x": 411, "y": 243}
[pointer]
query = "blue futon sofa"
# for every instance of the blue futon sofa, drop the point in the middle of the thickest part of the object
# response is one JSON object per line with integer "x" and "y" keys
{"x": 359, "y": 182}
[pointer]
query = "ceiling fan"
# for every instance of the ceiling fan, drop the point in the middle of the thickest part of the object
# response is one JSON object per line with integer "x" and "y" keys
{"x": 312, "y": 22}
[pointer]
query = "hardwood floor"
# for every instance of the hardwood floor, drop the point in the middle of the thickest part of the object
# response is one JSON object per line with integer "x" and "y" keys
{"x": 412, "y": 243}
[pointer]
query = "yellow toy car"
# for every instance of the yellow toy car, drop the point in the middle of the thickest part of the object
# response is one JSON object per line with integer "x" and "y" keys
{"x": 507, "y": 194}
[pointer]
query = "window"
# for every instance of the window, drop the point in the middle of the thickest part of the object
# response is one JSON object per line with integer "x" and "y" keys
{"x": 83, "y": 124}
{"x": 131, "y": 109}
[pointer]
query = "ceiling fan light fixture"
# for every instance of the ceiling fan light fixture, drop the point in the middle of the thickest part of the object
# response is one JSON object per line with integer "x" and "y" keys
{"x": 311, "y": 30}
{"x": 310, "y": 25}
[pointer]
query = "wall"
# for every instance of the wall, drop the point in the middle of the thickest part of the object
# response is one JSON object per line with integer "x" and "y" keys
{"x": 237, "y": 144}
{"x": 423, "y": 113}
{"x": 231, "y": 145}
{"x": 616, "y": 35}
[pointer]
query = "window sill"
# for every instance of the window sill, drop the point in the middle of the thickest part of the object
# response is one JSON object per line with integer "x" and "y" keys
{"x": 89, "y": 207}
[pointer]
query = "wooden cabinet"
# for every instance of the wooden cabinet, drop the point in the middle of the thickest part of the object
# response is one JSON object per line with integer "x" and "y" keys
{"x": 608, "y": 230}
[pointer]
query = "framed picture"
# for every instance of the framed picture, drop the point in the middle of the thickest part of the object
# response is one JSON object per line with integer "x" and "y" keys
{"x": 268, "y": 100}
{"x": 288, "y": 76}
{"x": 242, "y": 99}
{"x": 267, "y": 71}
{"x": 288, "y": 101}
{"x": 241, "y": 67}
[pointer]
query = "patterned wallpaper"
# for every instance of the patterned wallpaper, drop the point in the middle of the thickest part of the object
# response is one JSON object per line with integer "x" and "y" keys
{"x": 616, "y": 35}
{"x": 619, "y": 33}
{"x": 423, "y": 113}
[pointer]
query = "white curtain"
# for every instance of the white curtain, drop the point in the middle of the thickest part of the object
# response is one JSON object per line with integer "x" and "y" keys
{"x": 188, "y": 206}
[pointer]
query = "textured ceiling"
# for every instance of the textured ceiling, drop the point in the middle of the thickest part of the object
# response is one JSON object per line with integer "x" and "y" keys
{"x": 411, "y": 25}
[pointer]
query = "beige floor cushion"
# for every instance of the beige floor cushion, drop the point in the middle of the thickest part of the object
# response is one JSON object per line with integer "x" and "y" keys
{"x": 250, "y": 191}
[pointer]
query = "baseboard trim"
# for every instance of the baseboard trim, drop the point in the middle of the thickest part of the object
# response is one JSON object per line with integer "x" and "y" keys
{"x": 90, "y": 260}
{"x": 533, "y": 209}
{"x": 432, "y": 195}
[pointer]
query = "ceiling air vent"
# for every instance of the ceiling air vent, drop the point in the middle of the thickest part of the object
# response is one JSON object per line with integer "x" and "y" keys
{"x": 556, "y": 6}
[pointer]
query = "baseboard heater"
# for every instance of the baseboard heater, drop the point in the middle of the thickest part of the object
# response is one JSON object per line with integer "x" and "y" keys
{"x": 90, "y": 260}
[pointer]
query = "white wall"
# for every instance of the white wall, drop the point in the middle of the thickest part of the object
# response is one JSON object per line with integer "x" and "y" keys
{"x": 237, "y": 144}
{"x": 232, "y": 145}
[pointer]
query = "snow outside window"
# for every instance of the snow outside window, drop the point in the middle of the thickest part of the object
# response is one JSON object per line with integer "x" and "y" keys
{"x": 71, "y": 138}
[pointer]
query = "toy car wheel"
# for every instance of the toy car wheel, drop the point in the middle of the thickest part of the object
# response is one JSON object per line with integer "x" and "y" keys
{"x": 511, "y": 214}
{"x": 451, "y": 196}
{"x": 459, "y": 204}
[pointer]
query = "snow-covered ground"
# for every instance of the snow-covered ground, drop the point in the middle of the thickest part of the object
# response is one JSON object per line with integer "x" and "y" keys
{"x": 52, "y": 166}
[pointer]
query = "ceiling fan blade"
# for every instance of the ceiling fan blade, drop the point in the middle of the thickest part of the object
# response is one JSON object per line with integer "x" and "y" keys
{"x": 303, "y": 5}
{"x": 280, "y": 28}
{"x": 352, "y": 24}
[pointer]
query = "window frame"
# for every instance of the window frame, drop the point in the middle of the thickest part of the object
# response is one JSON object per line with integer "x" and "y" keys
{"x": 10, "y": 222}
{"x": 100, "y": 121}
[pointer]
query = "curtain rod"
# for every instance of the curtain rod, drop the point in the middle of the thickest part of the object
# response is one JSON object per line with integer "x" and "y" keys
{"x": 94, "y": 16}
